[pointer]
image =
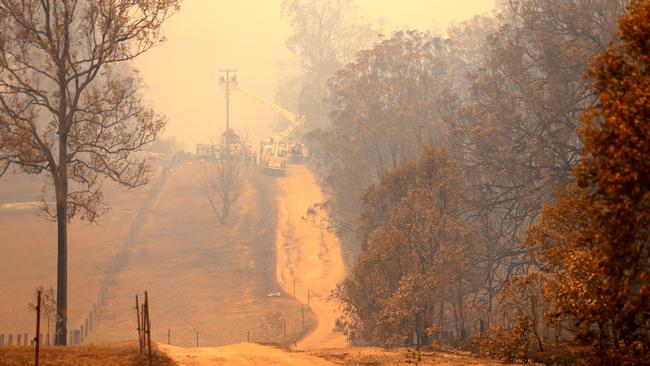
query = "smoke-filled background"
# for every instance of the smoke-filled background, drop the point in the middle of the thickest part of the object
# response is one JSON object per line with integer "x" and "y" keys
{"x": 466, "y": 175}
{"x": 250, "y": 36}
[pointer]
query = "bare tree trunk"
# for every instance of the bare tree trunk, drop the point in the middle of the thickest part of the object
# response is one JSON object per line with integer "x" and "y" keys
{"x": 96, "y": 113}
{"x": 442, "y": 320}
{"x": 61, "y": 177}
{"x": 61, "y": 273}
{"x": 225, "y": 208}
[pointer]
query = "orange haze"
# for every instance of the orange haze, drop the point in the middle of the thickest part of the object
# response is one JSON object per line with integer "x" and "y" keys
{"x": 249, "y": 35}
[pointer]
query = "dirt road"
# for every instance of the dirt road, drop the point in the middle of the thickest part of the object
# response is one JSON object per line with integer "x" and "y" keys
{"x": 239, "y": 355}
{"x": 203, "y": 276}
{"x": 309, "y": 261}
{"x": 249, "y": 354}
{"x": 312, "y": 258}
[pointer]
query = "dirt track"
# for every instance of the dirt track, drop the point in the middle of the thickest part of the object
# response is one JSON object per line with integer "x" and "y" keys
{"x": 239, "y": 355}
{"x": 307, "y": 256}
{"x": 203, "y": 276}
{"x": 311, "y": 257}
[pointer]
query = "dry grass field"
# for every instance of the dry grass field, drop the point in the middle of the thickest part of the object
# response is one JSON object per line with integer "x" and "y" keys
{"x": 114, "y": 354}
{"x": 28, "y": 249}
{"x": 203, "y": 276}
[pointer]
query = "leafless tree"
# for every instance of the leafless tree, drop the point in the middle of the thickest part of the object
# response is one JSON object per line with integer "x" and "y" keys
{"x": 48, "y": 305}
{"x": 222, "y": 180}
{"x": 69, "y": 109}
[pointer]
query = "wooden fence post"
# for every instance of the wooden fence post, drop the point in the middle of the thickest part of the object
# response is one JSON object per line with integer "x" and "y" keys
{"x": 148, "y": 332}
{"x": 137, "y": 311}
{"x": 38, "y": 326}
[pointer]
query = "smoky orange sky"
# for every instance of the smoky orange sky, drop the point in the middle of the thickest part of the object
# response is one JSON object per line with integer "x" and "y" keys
{"x": 249, "y": 35}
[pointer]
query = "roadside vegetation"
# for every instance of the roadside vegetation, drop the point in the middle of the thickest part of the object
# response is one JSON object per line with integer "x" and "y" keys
{"x": 125, "y": 353}
{"x": 492, "y": 183}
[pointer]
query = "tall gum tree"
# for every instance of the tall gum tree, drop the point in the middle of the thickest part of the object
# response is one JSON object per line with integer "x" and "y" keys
{"x": 595, "y": 238}
{"x": 326, "y": 34}
{"x": 69, "y": 107}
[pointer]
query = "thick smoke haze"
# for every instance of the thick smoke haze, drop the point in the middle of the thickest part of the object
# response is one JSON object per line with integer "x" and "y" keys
{"x": 431, "y": 182}
{"x": 250, "y": 35}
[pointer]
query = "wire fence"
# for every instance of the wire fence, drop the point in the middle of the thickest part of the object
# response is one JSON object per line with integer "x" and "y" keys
{"x": 115, "y": 266}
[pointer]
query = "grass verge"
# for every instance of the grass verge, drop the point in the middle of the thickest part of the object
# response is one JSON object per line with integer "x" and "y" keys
{"x": 122, "y": 354}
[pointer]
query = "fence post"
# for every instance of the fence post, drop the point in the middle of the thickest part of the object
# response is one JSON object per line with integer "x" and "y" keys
{"x": 2, "y": 339}
{"x": 18, "y": 339}
{"x": 148, "y": 324}
{"x": 10, "y": 340}
{"x": 137, "y": 311}
{"x": 38, "y": 326}
{"x": 92, "y": 316}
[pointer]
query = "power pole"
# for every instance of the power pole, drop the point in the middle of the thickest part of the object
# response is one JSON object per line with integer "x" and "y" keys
{"x": 226, "y": 85}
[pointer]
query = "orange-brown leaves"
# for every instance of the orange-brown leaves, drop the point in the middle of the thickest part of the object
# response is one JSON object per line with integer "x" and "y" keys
{"x": 595, "y": 238}
{"x": 419, "y": 252}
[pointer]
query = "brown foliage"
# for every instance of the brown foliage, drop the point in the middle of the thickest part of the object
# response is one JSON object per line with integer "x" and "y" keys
{"x": 67, "y": 107}
{"x": 595, "y": 238}
{"x": 418, "y": 256}
{"x": 516, "y": 132}
{"x": 383, "y": 107}
{"x": 508, "y": 344}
